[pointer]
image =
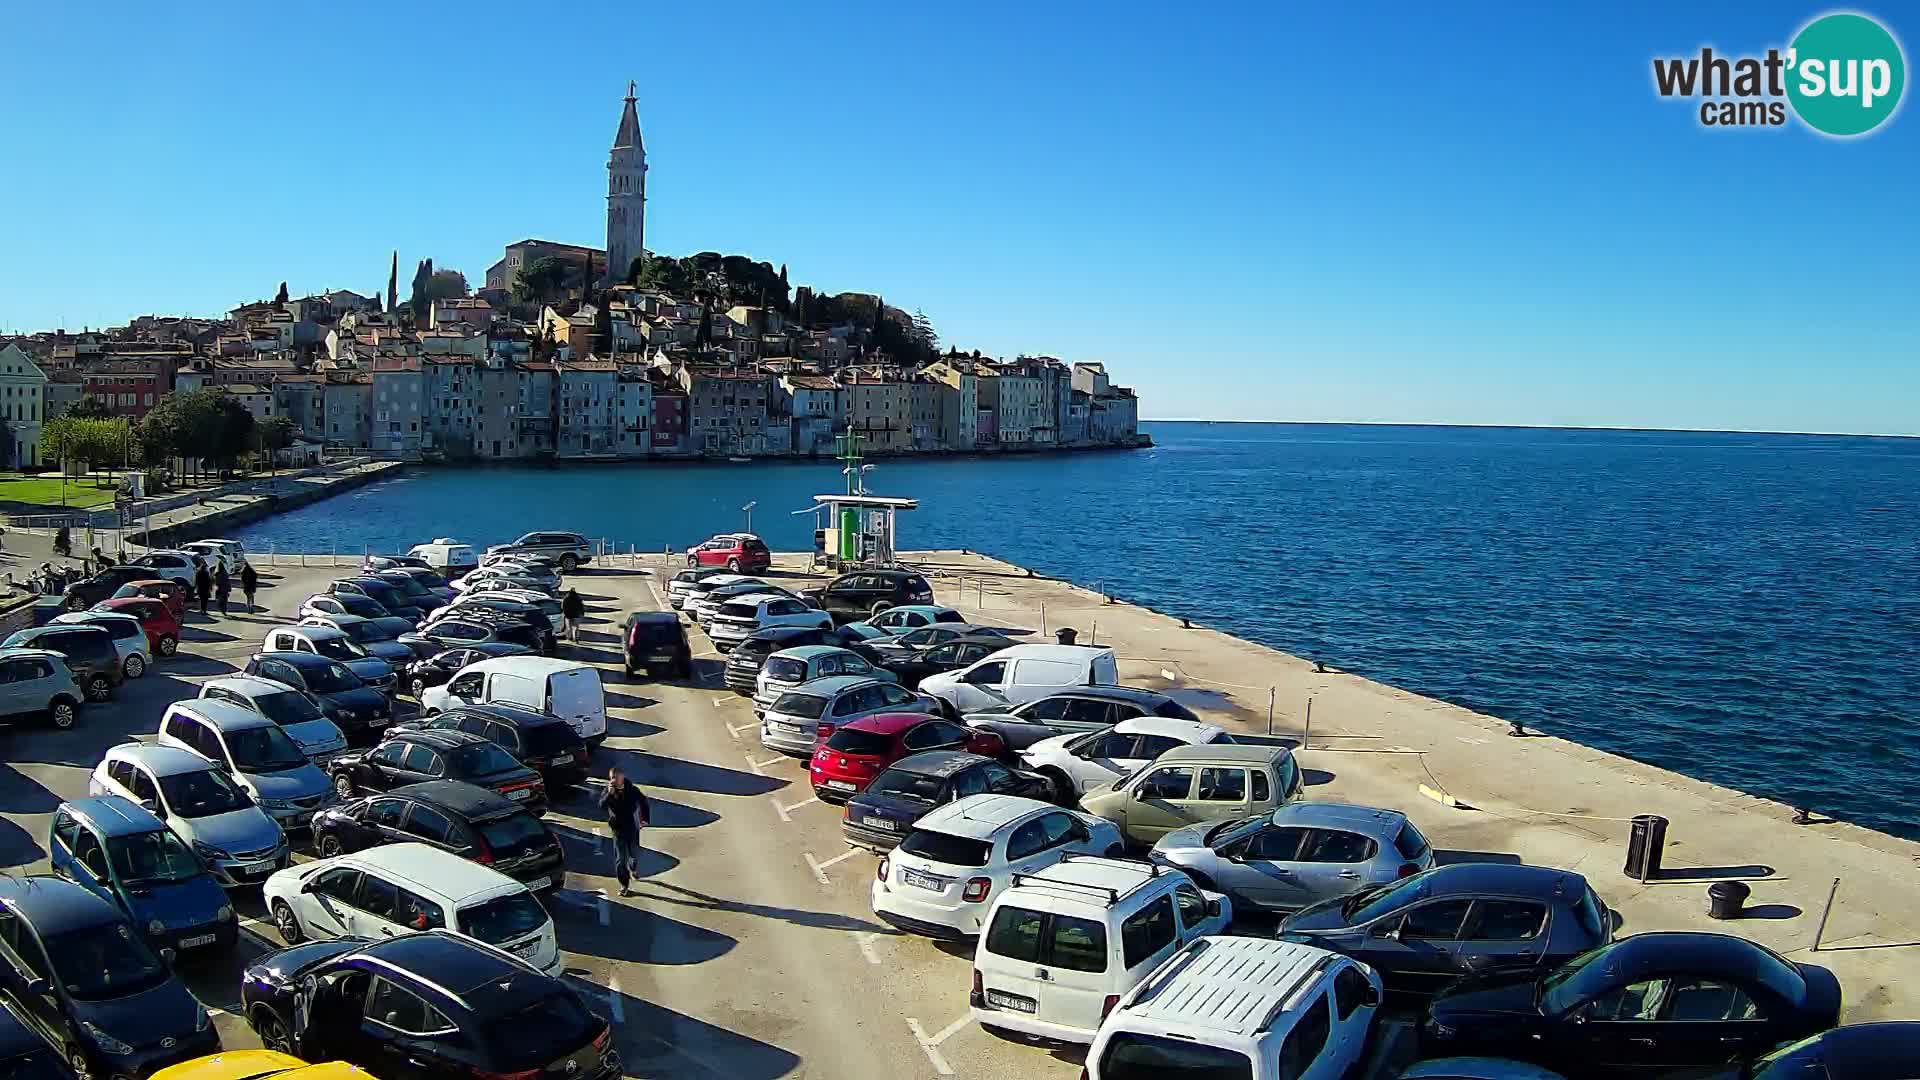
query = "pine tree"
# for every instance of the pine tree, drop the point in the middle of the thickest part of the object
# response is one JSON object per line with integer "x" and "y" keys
{"x": 393, "y": 282}
{"x": 280, "y": 298}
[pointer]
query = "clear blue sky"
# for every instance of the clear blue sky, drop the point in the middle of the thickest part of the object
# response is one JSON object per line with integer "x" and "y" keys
{"x": 1280, "y": 213}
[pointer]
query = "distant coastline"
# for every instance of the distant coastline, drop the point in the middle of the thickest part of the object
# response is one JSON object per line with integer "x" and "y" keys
{"x": 1533, "y": 427}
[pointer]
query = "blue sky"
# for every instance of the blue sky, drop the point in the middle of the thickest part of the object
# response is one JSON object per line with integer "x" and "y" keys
{"x": 1394, "y": 214}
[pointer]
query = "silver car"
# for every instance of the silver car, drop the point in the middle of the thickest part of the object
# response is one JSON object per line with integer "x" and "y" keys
{"x": 1298, "y": 855}
{"x": 566, "y": 549}
{"x": 798, "y": 717}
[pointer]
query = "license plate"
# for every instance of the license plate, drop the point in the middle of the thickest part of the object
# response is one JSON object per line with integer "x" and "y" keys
{"x": 922, "y": 881}
{"x": 197, "y": 940}
{"x": 254, "y": 867}
{"x": 380, "y": 721}
{"x": 561, "y": 759}
{"x": 1010, "y": 1001}
{"x": 840, "y": 785}
{"x": 537, "y": 883}
{"x": 523, "y": 793}
{"x": 662, "y": 659}
{"x": 791, "y": 729}
{"x": 878, "y": 823}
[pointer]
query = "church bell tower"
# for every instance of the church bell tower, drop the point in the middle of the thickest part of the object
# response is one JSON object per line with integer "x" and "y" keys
{"x": 626, "y": 195}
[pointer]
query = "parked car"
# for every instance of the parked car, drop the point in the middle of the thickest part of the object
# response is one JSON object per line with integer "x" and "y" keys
{"x": 898, "y": 620}
{"x": 1301, "y": 854}
{"x": 301, "y": 717}
{"x": 435, "y": 670}
{"x": 681, "y": 583}
{"x": 735, "y": 551}
{"x": 258, "y": 1064}
{"x": 203, "y": 806}
{"x": 951, "y": 655}
{"x": 863, "y": 593}
{"x": 321, "y": 605}
{"x": 376, "y": 563}
{"x": 546, "y": 744}
{"x": 389, "y": 595}
{"x": 333, "y": 643}
{"x": 701, "y": 608}
{"x": 25, "y": 1053}
{"x": 733, "y": 621}
{"x": 256, "y": 752}
{"x": 568, "y": 550}
{"x": 1076, "y": 710}
{"x": 82, "y": 595}
{"x": 877, "y": 818}
{"x": 416, "y": 591}
{"x": 655, "y": 642}
{"x": 747, "y": 658}
{"x": 941, "y": 879}
{"x": 846, "y": 761}
{"x": 1021, "y": 673}
{"x": 408, "y": 888}
{"x": 1876, "y": 1051}
{"x": 445, "y": 555}
{"x": 166, "y": 590}
{"x": 129, "y": 636}
{"x": 1241, "y": 1007}
{"x": 1091, "y": 759}
{"x": 1432, "y": 927}
{"x": 118, "y": 850}
{"x": 567, "y": 689}
{"x": 1477, "y": 1068}
{"x": 695, "y": 591}
{"x": 898, "y": 644}
{"x": 425, "y": 578}
{"x": 1063, "y": 943}
{"x": 472, "y": 822}
{"x": 217, "y": 551}
{"x": 1662, "y": 1000}
{"x": 460, "y": 627}
{"x": 73, "y": 962}
{"x": 358, "y": 710}
{"x": 36, "y": 683}
{"x": 798, "y": 719}
{"x": 790, "y": 669}
{"x": 514, "y": 1020}
{"x": 156, "y": 620}
{"x": 89, "y": 651}
{"x": 412, "y": 756}
{"x": 548, "y": 604}
{"x": 496, "y": 578}
{"x": 378, "y": 638}
{"x": 181, "y": 566}
{"x": 1188, "y": 785}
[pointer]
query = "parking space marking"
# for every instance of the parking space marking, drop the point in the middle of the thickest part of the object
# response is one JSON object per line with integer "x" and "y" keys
{"x": 735, "y": 729}
{"x": 932, "y": 1045}
{"x": 786, "y": 812}
{"x": 820, "y": 868}
{"x": 757, "y": 766}
{"x": 722, "y": 702}
{"x": 865, "y": 941}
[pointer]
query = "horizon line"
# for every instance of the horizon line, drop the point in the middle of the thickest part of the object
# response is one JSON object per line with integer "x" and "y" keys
{"x": 1537, "y": 427}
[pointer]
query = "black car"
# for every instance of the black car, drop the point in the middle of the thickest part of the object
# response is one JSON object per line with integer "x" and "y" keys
{"x": 387, "y": 593}
{"x": 74, "y": 967}
{"x": 1889, "y": 1050}
{"x": 469, "y": 821}
{"x": 358, "y": 710}
{"x": 89, "y": 651}
{"x": 82, "y": 595}
{"x": 476, "y": 618}
{"x": 861, "y": 594}
{"x": 748, "y": 657}
{"x": 376, "y": 563}
{"x": 24, "y": 1055}
{"x": 546, "y": 744}
{"x": 435, "y": 670}
{"x": 880, "y": 817}
{"x": 950, "y": 655}
{"x": 1425, "y": 930}
{"x": 427, "y": 1006}
{"x": 1647, "y": 1003}
{"x": 655, "y": 643}
{"x": 413, "y": 756}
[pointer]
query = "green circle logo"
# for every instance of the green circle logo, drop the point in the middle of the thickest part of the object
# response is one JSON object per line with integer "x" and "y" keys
{"x": 1846, "y": 73}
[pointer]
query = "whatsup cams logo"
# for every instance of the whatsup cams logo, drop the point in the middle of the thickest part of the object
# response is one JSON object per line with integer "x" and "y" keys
{"x": 1842, "y": 76}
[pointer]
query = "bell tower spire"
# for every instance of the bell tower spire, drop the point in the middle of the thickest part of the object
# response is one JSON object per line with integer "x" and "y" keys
{"x": 626, "y": 194}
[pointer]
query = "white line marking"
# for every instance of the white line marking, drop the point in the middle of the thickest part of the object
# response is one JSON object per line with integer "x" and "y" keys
{"x": 820, "y": 868}
{"x": 932, "y": 1049}
{"x": 735, "y": 729}
{"x": 865, "y": 941}
{"x": 606, "y": 911}
{"x": 952, "y": 1028}
{"x": 721, "y": 702}
{"x": 786, "y": 812}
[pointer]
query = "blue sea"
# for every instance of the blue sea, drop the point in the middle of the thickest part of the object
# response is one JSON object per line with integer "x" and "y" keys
{"x": 1741, "y": 608}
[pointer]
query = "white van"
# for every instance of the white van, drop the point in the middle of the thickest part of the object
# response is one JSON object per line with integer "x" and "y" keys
{"x": 1062, "y": 945}
{"x": 567, "y": 689}
{"x": 1022, "y": 673}
{"x": 406, "y": 888}
{"x": 1241, "y": 1006}
{"x": 446, "y": 555}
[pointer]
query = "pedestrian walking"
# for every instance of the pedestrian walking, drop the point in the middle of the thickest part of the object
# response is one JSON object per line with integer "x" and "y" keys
{"x": 572, "y": 610}
{"x": 249, "y": 581}
{"x": 223, "y": 586}
{"x": 203, "y": 587}
{"x": 627, "y": 813}
{"x": 63, "y": 542}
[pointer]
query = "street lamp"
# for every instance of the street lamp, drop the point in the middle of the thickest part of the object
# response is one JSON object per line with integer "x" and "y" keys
{"x": 748, "y": 510}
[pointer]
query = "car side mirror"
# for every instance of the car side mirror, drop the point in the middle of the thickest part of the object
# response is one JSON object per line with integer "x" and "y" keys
{"x": 153, "y": 807}
{"x": 1213, "y": 907}
{"x": 39, "y": 986}
{"x": 1371, "y": 998}
{"x": 1392, "y": 935}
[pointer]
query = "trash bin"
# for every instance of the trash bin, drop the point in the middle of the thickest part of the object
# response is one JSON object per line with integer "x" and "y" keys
{"x": 1065, "y": 635}
{"x": 1644, "y": 843}
{"x": 1725, "y": 899}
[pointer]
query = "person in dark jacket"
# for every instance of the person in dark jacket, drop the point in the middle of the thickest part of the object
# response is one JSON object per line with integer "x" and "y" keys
{"x": 249, "y": 581}
{"x": 203, "y": 586}
{"x": 572, "y": 610}
{"x": 627, "y": 812}
{"x": 222, "y": 586}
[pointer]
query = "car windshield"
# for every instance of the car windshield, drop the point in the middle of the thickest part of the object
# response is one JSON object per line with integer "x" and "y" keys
{"x": 151, "y": 858}
{"x": 1136, "y": 1056}
{"x": 337, "y": 648}
{"x": 366, "y": 633}
{"x": 1365, "y": 906}
{"x": 854, "y": 741}
{"x": 1228, "y": 831}
{"x": 483, "y": 759}
{"x": 331, "y": 679}
{"x": 202, "y": 794}
{"x": 287, "y": 707}
{"x": 104, "y": 961}
{"x": 550, "y": 1028}
{"x": 947, "y": 848}
{"x": 787, "y": 669}
{"x": 263, "y": 749}
{"x": 805, "y": 706}
{"x": 514, "y": 835}
{"x": 503, "y": 918}
{"x": 907, "y": 785}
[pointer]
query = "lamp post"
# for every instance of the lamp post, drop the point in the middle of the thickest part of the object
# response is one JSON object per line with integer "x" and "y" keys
{"x": 748, "y": 510}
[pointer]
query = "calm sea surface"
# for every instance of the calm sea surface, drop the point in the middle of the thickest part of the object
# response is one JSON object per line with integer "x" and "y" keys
{"x": 1741, "y": 608}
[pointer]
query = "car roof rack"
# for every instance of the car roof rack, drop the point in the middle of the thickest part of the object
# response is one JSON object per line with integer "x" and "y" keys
{"x": 1113, "y": 895}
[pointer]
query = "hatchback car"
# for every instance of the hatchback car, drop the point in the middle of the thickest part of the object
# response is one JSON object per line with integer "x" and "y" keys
{"x": 737, "y": 619}
{"x": 789, "y": 669}
{"x": 217, "y": 551}
{"x": 681, "y": 583}
{"x": 24, "y": 1053}
{"x": 1428, "y": 929}
{"x": 747, "y": 658}
{"x": 800, "y": 718}
{"x": 951, "y": 655}
{"x": 82, "y": 595}
{"x": 301, "y": 717}
{"x": 119, "y": 850}
{"x": 1086, "y": 761}
{"x": 1189, "y": 785}
{"x": 378, "y": 638}
{"x": 899, "y": 620}
{"x": 702, "y": 608}
{"x": 546, "y": 744}
{"x": 877, "y": 818}
{"x": 165, "y": 590}
{"x": 386, "y": 592}
{"x": 38, "y": 683}
{"x": 509, "y": 576}
{"x": 452, "y": 1007}
{"x": 945, "y": 874}
{"x": 72, "y": 961}
{"x": 327, "y": 603}
{"x": 655, "y": 642}
{"x": 848, "y": 760}
{"x": 1299, "y": 855}
{"x": 358, "y": 710}
{"x": 469, "y": 821}
{"x": 320, "y": 639}
{"x": 898, "y": 643}
{"x": 567, "y": 550}
{"x": 415, "y": 757}
{"x": 181, "y": 566}
{"x": 90, "y": 653}
{"x": 461, "y": 627}
{"x": 255, "y": 751}
{"x": 162, "y": 626}
{"x": 417, "y": 591}
{"x": 423, "y": 675}
{"x": 735, "y": 551}
{"x": 864, "y": 593}
{"x": 1077, "y": 709}
{"x": 129, "y": 637}
{"x": 502, "y": 600}
{"x": 1663, "y": 1001}
{"x": 201, "y": 804}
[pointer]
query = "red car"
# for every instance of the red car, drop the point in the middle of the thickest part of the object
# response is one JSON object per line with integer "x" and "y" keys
{"x": 172, "y": 592}
{"x": 738, "y": 552}
{"x": 156, "y": 618}
{"x": 854, "y": 754}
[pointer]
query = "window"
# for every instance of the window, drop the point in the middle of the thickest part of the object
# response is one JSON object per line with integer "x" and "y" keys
{"x": 1015, "y": 934}
{"x": 990, "y": 675}
{"x": 422, "y": 760}
{"x": 402, "y": 1010}
{"x": 1028, "y": 839}
{"x": 1338, "y": 846}
{"x": 1223, "y": 785}
{"x": 1691, "y": 1000}
{"x": 1413, "y": 846}
{"x": 1078, "y": 944}
{"x": 429, "y": 824}
{"x": 1193, "y": 906}
{"x": 1169, "y": 783}
{"x": 1111, "y": 746}
{"x": 379, "y": 898}
{"x": 970, "y": 782}
{"x": 1088, "y": 712}
{"x": 419, "y": 913}
{"x": 1146, "y": 932}
{"x": 387, "y": 812}
{"x": 338, "y": 884}
{"x": 1437, "y": 921}
{"x": 999, "y": 777}
{"x": 120, "y": 772}
{"x": 1277, "y": 845}
{"x": 1637, "y": 1001}
{"x": 1505, "y": 920}
{"x": 1289, "y": 777}
{"x": 392, "y": 753}
{"x": 1350, "y": 988}
{"x": 66, "y": 830}
{"x": 936, "y": 733}
{"x": 1308, "y": 1037}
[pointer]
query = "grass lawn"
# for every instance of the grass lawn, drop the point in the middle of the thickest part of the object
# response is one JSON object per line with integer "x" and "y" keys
{"x": 44, "y": 490}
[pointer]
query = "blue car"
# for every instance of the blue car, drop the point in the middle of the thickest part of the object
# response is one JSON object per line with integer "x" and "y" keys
{"x": 123, "y": 853}
{"x": 24, "y": 1054}
{"x": 72, "y": 964}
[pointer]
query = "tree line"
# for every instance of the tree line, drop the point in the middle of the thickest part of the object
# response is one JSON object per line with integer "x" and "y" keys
{"x": 207, "y": 427}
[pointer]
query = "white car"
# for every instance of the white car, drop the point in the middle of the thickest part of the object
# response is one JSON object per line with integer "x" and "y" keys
{"x": 943, "y": 877}
{"x": 129, "y": 637}
{"x": 495, "y": 578}
{"x": 737, "y": 619}
{"x": 231, "y": 553}
{"x": 201, "y": 804}
{"x": 445, "y": 554}
{"x": 1085, "y": 760}
{"x": 405, "y": 888}
{"x": 181, "y": 566}
{"x": 698, "y": 581}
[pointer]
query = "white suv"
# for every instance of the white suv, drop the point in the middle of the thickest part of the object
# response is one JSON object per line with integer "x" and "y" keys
{"x": 737, "y": 619}
{"x": 1082, "y": 761}
{"x": 400, "y": 888}
{"x": 1062, "y": 946}
{"x": 1239, "y": 1006}
{"x": 957, "y": 859}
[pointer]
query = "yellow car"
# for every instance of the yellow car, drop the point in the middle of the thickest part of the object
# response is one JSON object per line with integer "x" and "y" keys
{"x": 258, "y": 1065}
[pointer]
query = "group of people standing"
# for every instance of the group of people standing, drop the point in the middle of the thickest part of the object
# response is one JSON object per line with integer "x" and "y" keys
{"x": 219, "y": 585}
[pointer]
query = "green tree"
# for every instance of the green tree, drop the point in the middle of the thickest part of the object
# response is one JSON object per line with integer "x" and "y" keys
{"x": 280, "y": 298}
{"x": 56, "y": 440}
{"x": 274, "y": 434}
{"x": 89, "y": 408}
{"x": 542, "y": 281}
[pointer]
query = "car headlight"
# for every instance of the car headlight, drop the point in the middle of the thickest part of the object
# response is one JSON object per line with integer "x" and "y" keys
{"x": 107, "y": 1043}
{"x": 201, "y": 1021}
{"x": 209, "y": 852}
{"x": 156, "y": 927}
{"x": 225, "y": 914}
